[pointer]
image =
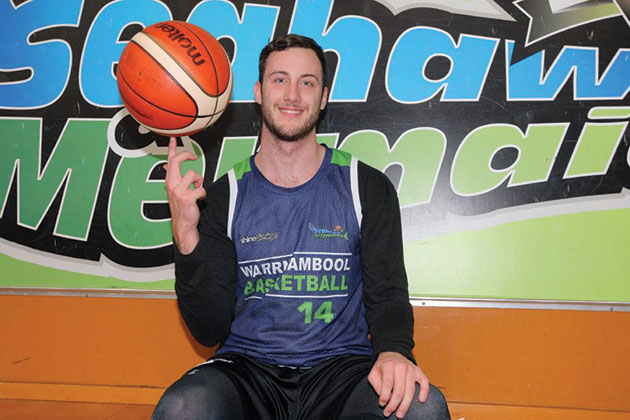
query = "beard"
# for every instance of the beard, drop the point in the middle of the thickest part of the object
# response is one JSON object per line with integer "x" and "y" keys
{"x": 289, "y": 134}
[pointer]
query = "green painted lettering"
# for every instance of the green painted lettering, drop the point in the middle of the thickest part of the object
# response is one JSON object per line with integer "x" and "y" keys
{"x": 419, "y": 151}
{"x": 472, "y": 173}
{"x": 132, "y": 190}
{"x": 595, "y": 148}
{"x": 233, "y": 150}
{"x": 74, "y": 169}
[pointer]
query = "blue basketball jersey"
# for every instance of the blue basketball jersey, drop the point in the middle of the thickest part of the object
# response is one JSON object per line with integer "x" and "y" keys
{"x": 299, "y": 297}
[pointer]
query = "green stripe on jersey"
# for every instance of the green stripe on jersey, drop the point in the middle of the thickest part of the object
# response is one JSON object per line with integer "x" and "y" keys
{"x": 242, "y": 168}
{"x": 340, "y": 158}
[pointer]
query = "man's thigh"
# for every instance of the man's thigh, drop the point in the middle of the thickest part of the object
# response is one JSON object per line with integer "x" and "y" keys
{"x": 363, "y": 405}
{"x": 202, "y": 393}
{"x": 231, "y": 386}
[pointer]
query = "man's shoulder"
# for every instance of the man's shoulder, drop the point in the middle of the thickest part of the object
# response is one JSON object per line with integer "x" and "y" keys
{"x": 366, "y": 172}
{"x": 236, "y": 172}
{"x": 373, "y": 180}
{"x": 340, "y": 157}
{"x": 219, "y": 188}
{"x": 241, "y": 168}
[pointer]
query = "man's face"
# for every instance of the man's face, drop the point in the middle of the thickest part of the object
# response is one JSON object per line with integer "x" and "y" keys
{"x": 291, "y": 95}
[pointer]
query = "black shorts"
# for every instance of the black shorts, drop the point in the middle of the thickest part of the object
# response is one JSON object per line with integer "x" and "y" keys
{"x": 276, "y": 392}
{"x": 237, "y": 387}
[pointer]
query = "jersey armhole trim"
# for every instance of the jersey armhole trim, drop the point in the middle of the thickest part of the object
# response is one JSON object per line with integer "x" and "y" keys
{"x": 354, "y": 186}
{"x": 232, "y": 203}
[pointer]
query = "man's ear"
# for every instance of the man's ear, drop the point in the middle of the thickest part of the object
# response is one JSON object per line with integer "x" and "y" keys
{"x": 324, "y": 98}
{"x": 258, "y": 92}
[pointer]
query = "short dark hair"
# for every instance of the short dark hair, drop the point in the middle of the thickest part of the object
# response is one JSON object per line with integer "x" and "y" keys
{"x": 291, "y": 41}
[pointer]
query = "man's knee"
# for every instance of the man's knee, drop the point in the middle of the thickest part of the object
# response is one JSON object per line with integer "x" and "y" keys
{"x": 191, "y": 397}
{"x": 434, "y": 408}
{"x": 363, "y": 404}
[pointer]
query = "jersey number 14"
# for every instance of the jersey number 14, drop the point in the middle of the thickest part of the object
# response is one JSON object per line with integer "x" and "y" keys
{"x": 324, "y": 312}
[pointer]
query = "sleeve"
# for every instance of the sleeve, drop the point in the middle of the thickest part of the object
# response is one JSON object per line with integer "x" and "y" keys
{"x": 205, "y": 279}
{"x": 386, "y": 296}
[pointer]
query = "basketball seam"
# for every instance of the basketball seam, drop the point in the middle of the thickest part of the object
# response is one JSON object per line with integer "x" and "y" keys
{"x": 191, "y": 76}
{"x": 216, "y": 77}
{"x": 176, "y": 82}
{"x": 164, "y": 109}
{"x": 170, "y": 76}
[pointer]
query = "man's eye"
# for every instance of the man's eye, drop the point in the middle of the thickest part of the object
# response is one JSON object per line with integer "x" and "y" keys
{"x": 307, "y": 83}
{"x": 280, "y": 80}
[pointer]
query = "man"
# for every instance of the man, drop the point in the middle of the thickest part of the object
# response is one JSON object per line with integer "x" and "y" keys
{"x": 295, "y": 256}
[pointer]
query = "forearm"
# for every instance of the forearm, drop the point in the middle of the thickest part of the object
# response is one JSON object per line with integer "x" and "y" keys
{"x": 205, "y": 277}
{"x": 388, "y": 311}
{"x": 205, "y": 296}
{"x": 386, "y": 297}
{"x": 391, "y": 326}
{"x": 185, "y": 238}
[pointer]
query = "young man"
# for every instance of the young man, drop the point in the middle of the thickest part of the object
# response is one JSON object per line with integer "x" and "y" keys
{"x": 295, "y": 256}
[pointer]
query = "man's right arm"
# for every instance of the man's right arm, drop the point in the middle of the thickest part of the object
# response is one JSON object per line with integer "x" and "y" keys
{"x": 205, "y": 279}
{"x": 205, "y": 260}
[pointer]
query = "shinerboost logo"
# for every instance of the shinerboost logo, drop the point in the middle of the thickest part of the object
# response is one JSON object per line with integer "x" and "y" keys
{"x": 322, "y": 233}
{"x": 267, "y": 236}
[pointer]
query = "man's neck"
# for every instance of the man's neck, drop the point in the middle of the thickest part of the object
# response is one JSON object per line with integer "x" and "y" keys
{"x": 289, "y": 164}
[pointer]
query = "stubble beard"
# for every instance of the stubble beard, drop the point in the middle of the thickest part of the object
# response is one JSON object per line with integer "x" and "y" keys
{"x": 285, "y": 133}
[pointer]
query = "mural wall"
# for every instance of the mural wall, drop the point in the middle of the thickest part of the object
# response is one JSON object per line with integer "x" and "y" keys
{"x": 503, "y": 125}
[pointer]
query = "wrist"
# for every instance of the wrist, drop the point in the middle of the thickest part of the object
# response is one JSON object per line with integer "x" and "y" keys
{"x": 186, "y": 241}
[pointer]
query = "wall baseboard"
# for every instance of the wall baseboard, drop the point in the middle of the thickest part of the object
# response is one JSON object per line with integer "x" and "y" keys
{"x": 80, "y": 393}
{"x": 489, "y": 411}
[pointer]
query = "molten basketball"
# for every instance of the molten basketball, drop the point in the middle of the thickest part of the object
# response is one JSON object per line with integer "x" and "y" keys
{"x": 174, "y": 78}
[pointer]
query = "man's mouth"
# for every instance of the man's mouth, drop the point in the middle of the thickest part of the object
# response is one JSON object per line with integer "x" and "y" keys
{"x": 290, "y": 111}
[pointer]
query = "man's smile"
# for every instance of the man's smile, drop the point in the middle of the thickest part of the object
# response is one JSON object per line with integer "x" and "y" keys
{"x": 290, "y": 111}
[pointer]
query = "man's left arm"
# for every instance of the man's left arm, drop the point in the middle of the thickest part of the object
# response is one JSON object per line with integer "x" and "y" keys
{"x": 386, "y": 296}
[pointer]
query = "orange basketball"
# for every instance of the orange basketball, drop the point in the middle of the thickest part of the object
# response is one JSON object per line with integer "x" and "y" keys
{"x": 174, "y": 78}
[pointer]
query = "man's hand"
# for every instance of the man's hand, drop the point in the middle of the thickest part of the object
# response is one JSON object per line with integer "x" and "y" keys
{"x": 394, "y": 378}
{"x": 182, "y": 200}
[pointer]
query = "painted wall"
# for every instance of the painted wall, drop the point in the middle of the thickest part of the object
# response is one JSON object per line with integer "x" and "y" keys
{"x": 503, "y": 125}
{"x": 489, "y": 363}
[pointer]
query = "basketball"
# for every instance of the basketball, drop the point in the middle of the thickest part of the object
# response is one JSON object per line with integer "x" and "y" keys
{"x": 174, "y": 78}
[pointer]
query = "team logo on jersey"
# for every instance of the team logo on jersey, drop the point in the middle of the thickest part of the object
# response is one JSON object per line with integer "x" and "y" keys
{"x": 267, "y": 236}
{"x": 323, "y": 233}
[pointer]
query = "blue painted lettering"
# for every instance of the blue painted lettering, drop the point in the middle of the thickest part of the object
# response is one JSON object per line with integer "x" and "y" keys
{"x": 355, "y": 39}
{"x": 407, "y": 82}
{"x": 103, "y": 47}
{"x": 527, "y": 81}
{"x": 49, "y": 61}
{"x": 249, "y": 34}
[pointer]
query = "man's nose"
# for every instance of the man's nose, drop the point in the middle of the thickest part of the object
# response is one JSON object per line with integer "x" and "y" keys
{"x": 292, "y": 92}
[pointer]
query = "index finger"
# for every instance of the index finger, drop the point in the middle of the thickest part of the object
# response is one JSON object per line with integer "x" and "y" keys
{"x": 172, "y": 147}
{"x": 172, "y": 166}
